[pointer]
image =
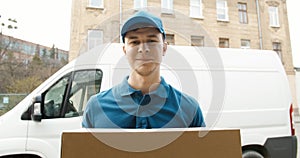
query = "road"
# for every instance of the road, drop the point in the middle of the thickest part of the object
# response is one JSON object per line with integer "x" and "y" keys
{"x": 297, "y": 125}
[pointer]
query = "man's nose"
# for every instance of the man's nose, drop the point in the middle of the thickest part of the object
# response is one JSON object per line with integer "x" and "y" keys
{"x": 144, "y": 48}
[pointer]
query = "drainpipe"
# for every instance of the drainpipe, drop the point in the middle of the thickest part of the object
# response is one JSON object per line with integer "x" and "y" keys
{"x": 259, "y": 25}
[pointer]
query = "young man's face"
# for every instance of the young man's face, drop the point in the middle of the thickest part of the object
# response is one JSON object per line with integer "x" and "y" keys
{"x": 144, "y": 49}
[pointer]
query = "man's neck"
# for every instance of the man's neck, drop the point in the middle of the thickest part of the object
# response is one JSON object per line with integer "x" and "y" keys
{"x": 144, "y": 83}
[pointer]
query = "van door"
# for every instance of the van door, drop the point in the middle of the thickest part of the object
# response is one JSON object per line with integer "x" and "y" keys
{"x": 62, "y": 107}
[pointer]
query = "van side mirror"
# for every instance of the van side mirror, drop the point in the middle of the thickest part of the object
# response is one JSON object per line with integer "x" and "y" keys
{"x": 36, "y": 114}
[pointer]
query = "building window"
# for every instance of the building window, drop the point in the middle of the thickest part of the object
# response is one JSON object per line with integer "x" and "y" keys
{"x": 139, "y": 4}
{"x": 196, "y": 9}
{"x": 167, "y": 6}
{"x": 222, "y": 10}
{"x": 273, "y": 16}
{"x": 245, "y": 43}
{"x": 223, "y": 42}
{"x": 170, "y": 39}
{"x": 243, "y": 13}
{"x": 277, "y": 49}
{"x": 96, "y": 3}
{"x": 197, "y": 41}
{"x": 95, "y": 38}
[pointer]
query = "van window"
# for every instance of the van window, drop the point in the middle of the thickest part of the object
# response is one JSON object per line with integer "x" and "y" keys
{"x": 84, "y": 85}
{"x": 68, "y": 97}
{"x": 54, "y": 97}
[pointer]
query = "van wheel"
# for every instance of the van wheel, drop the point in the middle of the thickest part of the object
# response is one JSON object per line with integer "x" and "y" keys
{"x": 251, "y": 154}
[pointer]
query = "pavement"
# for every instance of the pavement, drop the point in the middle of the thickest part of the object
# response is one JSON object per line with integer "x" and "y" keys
{"x": 298, "y": 138}
{"x": 297, "y": 131}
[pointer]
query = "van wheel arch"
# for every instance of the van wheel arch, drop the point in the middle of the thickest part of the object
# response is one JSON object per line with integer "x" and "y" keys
{"x": 254, "y": 151}
{"x": 21, "y": 156}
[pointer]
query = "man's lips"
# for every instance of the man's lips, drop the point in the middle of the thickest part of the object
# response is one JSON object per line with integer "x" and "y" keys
{"x": 144, "y": 59}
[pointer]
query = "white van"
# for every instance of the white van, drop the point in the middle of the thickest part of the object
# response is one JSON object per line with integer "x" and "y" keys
{"x": 236, "y": 88}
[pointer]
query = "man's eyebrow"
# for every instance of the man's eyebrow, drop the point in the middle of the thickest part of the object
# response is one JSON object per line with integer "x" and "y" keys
{"x": 152, "y": 35}
{"x": 136, "y": 37}
{"x": 132, "y": 37}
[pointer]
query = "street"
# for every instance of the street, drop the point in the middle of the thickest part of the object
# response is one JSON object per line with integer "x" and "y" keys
{"x": 297, "y": 128}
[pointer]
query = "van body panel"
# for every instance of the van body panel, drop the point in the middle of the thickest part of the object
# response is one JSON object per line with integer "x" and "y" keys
{"x": 236, "y": 88}
{"x": 13, "y": 133}
{"x": 11, "y": 146}
{"x": 45, "y": 135}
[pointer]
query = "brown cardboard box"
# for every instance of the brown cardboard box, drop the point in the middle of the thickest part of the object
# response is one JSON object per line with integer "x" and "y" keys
{"x": 158, "y": 143}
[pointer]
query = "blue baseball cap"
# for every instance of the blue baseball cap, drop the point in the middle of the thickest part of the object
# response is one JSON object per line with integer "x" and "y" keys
{"x": 142, "y": 19}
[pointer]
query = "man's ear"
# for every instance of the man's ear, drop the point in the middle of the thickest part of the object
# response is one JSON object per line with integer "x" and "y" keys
{"x": 124, "y": 50}
{"x": 165, "y": 46}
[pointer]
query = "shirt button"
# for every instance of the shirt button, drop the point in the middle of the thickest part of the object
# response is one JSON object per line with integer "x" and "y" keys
{"x": 144, "y": 123}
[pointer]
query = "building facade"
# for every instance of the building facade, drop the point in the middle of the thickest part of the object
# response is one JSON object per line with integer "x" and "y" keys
{"x": 297, "y": 76}
{"x": 25, "y": 50}
{"x": 255, "y": 24}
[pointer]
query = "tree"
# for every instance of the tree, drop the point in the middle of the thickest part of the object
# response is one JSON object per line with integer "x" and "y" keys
{"x": 11, "y": 69}
{"x": 22, "y": 74}
{"x": 10, "y": 24}
{"x": 37, "y": 50}
{"x": 36, "y": 61}
{"x": 44, "y": 53}
{"x": 6, "y": 41}
{"x": 14, "y": 71}
{"x": 24, "y": 85}
{"x": 52, "y": 52}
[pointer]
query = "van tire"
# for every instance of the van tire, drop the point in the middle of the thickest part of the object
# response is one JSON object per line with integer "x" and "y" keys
{"x": 251, "y": 154}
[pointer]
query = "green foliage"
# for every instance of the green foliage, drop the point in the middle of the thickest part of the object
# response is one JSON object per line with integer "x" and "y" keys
{"x": 36, "y": 61}
{"x": 12, "y": 20}
{"x": 17, "y": 77}
{"x": 24, "y": 85}
{"x": 11, "y": 24}
{"x": 23, "y": 75}
{"x": 44, "y": 53}
{"x": 53, "y": 52}
{"x": 13, "y": 101}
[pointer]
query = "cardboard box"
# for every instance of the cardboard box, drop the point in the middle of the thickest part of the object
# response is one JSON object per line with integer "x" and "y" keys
{"x": 158, "y": 143}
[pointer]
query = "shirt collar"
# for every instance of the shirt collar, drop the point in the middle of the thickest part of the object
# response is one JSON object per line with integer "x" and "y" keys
{"x": 162, "y": 91}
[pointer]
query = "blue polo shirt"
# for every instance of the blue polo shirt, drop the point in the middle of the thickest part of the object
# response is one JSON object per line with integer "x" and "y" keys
{"x": 125, "y": 107}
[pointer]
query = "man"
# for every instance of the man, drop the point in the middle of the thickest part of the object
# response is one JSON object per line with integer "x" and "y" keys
{"x": 143, "y": 99}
